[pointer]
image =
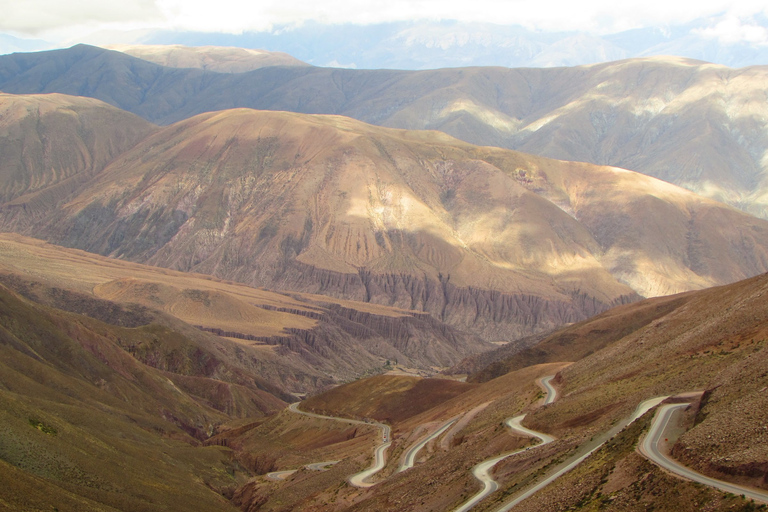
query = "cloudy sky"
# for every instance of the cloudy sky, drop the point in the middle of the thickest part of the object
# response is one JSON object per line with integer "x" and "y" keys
{"x": 59, "y": 21}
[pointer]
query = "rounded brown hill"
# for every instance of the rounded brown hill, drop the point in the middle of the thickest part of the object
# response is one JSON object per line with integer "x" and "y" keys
{"x": 389, "y": 398}
{"x": 50, "y": 144}
{"x": 483, "y": 238}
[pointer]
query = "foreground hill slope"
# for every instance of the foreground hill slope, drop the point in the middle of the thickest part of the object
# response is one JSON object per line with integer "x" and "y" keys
{"x": 503, "y": 243}
{"x": 698, "y": 125}
{"x": 711, "y": 341}
{"x": 85, "y": 426}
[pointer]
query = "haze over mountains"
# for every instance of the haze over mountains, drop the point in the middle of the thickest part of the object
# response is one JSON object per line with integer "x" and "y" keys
{"x": 734, "y": 41}
{"x": 212, "y": 58}
{"x": 694, "y": 124}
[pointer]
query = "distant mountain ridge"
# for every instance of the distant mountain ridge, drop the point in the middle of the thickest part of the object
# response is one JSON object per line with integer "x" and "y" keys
{"x": 694, "y": 124}
{"x": 212, "y": 58}
{"x": 440, "y": 44}
{"x": 488, "y": 240}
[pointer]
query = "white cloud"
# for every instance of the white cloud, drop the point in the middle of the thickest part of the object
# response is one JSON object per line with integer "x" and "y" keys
{"x": 234, "y": 16}
{"x": 336, "y": 64}
{"x": 39, "y": 16}
{"x": 591, "y": 15}
{"x": 732, "y": 30}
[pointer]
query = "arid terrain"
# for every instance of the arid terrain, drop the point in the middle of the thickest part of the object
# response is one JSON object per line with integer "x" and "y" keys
{"x": 698, "y": 125}
{"x": 491, "y": 241}
{"x": 710, "y": 341}
{"x": 221, "y": 288}
{"x": 299, "y": 343}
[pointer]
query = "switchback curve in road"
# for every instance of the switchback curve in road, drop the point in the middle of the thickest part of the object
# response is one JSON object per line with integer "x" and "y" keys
{"x": 649, "y": 448}
{"x": 413, "y": 451}
{"x": 482, "y": 471}
{"x": 379, "y": 459}
{"x": 639, "y": 411}
{"x": 321, "y": 466}
{"x": 281, "y": 475}
{"x": 546, "y": 383}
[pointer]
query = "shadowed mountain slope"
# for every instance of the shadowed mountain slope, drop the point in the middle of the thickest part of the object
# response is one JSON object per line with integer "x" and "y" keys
{"x": 698, "y": 125}
{"x": 243, "y": 335}
{"x": 570, "y": 343}
{"x": 52, "y": 144}
{"x": 503, "y": 243}
{"x": 85, "y": 426}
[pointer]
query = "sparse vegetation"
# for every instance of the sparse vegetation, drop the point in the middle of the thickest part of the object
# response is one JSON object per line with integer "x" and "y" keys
{"x": 42, "y": 427}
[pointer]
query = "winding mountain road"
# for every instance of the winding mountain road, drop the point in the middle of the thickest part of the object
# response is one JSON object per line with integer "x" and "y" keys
{"x": 281, "y": 475}
{"x": 483, "y": 470}
{"x": 639, "y": 411}
{"x": 410, "y": 456}
{"x": 650, "y": 449}
{"x": 321, "y": 466}
{"x": 551, "y": 391}
{"x": 379, "y": 459}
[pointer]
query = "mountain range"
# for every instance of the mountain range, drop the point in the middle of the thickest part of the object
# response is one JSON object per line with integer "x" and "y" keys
{"x": 220, "y": 232}
{"x": 498, "y": 242}
{"x": 694, "y": 124}
{"x": 722, "y": 38}
{"x": 212, "y": 58}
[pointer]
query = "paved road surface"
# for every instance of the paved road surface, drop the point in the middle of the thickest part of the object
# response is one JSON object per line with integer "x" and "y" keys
{"x": 639, "y": 411}
{"x": 281, "y": 475}
{"x": 410, "y": 455}
{"x": 321, "y": 466}
{"x": 379, "y": 459}
{"x": 551, "y": 391}
{"x": 514, "y": 424}
{"x": 483, "y": 470}
{"x": 650, "y": 449}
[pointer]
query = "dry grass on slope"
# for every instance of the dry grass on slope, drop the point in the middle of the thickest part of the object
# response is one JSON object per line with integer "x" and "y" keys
{"x": 388, "y": 398}
{"x": 616, "y": 478}
{"x": 90, "y": 427}
{"x": 716, "y": 341}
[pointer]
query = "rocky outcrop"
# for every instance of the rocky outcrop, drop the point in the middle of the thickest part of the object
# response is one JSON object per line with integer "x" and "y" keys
{"x": 752, "y": 473}
{"x": 491, "y": 314}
